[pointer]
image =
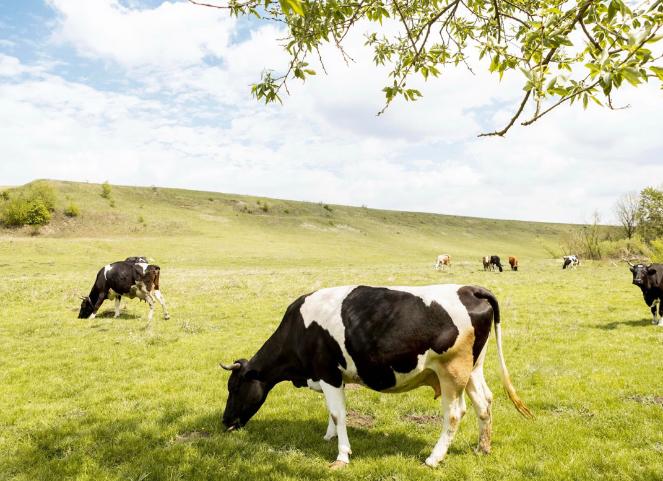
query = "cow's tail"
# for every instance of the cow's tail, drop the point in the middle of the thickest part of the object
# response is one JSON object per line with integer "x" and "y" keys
{"x": 504, "y": 372}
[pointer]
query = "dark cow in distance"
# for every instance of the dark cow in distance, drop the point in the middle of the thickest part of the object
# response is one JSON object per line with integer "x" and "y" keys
{"x": 513, "y": 262}
{"x": 570, "y": 261}
{"x": 650, "y": 281}
{"x": 495, "y": 262}
{"x": 131, "y": 278}
{"x": 389, "y": 339}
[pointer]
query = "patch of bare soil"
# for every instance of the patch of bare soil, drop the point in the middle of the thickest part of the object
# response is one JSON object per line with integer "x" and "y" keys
{"x": 422, "y": 418}
{"x": 649, "y": 399}
{"x": 190, "y": 437}
{"x": 356, "y": 419}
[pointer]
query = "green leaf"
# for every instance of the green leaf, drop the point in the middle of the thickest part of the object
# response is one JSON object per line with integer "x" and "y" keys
{"x": 658, "y": 71}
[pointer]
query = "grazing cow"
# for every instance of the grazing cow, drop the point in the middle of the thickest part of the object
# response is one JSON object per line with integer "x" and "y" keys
{"x": 513, "y": 262}
{"x": 486, "y": 263}
{"x": 389, "y": 339}
{"x": 124, "y": 278}
{"x": 570, "y": 261}
{"x": 650, "y": 281}
{"x": 442, "y": 260}
{"x": 495, "y": 262}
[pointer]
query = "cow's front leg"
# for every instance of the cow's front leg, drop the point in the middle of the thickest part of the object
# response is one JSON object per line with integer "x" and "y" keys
{"x": 335, "y": 399}
{"x": 118, "y": 299}
{"x": 97, "y": 305}
{"x": 159, "y": 296}
{"x": 655, "y": 307}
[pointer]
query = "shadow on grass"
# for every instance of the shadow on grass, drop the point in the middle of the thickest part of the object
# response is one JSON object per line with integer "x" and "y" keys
{"x": 633, "y": 323}
{"x": 109, "y": 314}
{"x": 197, "y": 449}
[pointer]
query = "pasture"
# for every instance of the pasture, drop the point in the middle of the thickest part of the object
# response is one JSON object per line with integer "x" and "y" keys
{"x": 108, "y": 399}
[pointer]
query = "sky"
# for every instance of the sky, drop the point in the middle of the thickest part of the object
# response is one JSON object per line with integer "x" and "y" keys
{"x": 145, "y": 92}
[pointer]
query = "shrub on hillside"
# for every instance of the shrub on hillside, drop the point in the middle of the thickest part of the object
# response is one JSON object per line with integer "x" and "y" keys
{"x": 106, "y": 190}
{"x": 631, "y": 248}
{"x": 72, "y": 210}
{"x": 37, "y": 213}
{"x": 657, "y": 250}
{"x": 31, "y": 205}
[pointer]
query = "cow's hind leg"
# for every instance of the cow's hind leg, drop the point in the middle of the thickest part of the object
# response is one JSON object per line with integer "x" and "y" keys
{"x": 482, "y": 399}
{"x": 335, "y": 399}
{"x": 453, "y": 407}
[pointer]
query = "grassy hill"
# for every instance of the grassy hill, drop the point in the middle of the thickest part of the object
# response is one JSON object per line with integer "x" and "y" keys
{"x": 244, "y": 229}
{"x": 113, "y": 399}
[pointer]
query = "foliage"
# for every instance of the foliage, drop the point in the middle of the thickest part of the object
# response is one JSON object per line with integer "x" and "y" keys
{"x": 106, "y": 190}
{"x": 72, "y": 210}
{"x": 650, "y": 214}
{"x": 4, "y": 195}
{"x": 626, "y": 248}
{"x": 626, "y": 210}
{"x": 657, "y": 250}
{"x": 586, "y": 240}
{"x": 37, "y": 213}
{"x": 29, "y": 205}
{"x": 566, "y": 51}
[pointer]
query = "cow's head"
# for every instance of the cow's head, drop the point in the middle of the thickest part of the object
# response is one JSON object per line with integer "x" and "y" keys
{"x": 641, "y": 273}
{"x": 246, "y": 393}
{"x": 86, "y": 308}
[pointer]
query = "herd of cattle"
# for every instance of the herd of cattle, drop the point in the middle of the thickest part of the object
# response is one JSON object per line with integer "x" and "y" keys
{"x": 388, "y": 339}
{"x": 490, "y": 263}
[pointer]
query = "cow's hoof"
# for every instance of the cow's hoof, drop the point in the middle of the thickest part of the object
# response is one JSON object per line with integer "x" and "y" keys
{"x": 660, "y": 324}
{"x": 482, "y": 450}
{"x": 338, "y": 464}
{"x": 166, "y": 317}
{"x": 430, "y": 462}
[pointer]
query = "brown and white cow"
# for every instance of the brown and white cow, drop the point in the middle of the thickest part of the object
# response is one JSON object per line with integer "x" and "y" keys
{"x": 443, "y": 260}
{"x": 388, "y": 339}
{"x": 486, "y": 263}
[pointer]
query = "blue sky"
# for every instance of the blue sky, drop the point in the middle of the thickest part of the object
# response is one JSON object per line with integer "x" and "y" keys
{"x": 157, "y": 93}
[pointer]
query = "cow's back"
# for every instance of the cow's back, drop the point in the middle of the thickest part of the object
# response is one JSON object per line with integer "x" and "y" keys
{"x": 384, "y": 332}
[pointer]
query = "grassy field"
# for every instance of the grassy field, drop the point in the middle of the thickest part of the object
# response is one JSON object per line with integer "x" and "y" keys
{"x": 109, "y": 400}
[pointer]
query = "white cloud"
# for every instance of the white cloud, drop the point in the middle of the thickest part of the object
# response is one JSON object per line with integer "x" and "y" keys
{"x": 193, "y": 124}
{"x": 172, "y": 34}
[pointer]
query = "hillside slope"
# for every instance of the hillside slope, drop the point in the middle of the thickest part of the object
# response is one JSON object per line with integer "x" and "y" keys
{"x": 243, "y": 229}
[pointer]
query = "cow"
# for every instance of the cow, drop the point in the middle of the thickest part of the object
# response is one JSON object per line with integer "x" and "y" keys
{"x": 388, "y": 339}
{"x": 486, "y": 263}
{"x": 137, "y": 260}
{"x": 124, "y": 278}
{"x": 570, "y": 261}
{"x": 513, "y": 262}
{"x": 495, "y": 262}
{"x": 650, "y": 281}
{"x": 442, "y": 260}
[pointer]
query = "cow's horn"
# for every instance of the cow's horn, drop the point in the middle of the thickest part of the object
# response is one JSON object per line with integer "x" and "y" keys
{"x": 629, "y": 262}
{"x": 232, "y": 367}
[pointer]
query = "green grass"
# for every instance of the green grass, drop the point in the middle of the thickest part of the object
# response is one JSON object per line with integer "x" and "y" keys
{"x": 108, "y": 399}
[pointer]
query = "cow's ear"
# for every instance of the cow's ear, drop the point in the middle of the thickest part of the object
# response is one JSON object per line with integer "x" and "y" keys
{"x": 651, "y": 271}
{"x": 632, "y": 269}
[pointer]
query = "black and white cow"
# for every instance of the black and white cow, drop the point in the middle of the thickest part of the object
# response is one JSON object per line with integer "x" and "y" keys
{"x": 495, "y": 262}
{"x": 389, "y": 339}
{"x": 131, "y": 278}
{"x": 650, "y": 281}
{"x": 570, "y": 261}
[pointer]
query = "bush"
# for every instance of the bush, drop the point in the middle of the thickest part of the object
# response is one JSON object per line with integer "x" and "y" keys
{"x": 4, "y": 195}
{"x": 105, "y": 190}
{"x": 37, "y": 213}
{"x": 657, "y": 250}
{"x": 31, "y": 205}
{"x": 72, "y": 210}
{"x": 625, "y": 248}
